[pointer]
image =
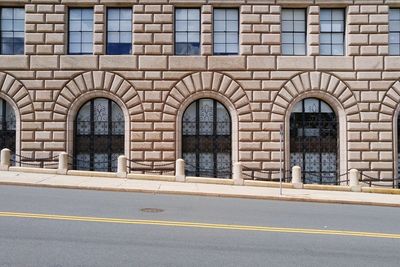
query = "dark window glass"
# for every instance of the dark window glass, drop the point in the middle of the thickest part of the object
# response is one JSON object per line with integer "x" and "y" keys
{"x": 187, "y": 31}
{"x": 226, "y": 31}
{"x": 119, "y": 31}
{"x": 99, "y": 136}
{"x": 294, "y": 31}
{"x": 12, "y": 31}
{"x": 332, "y": 32}
{"x": 80, "y": 31}
{"x": 313, "y": 141}
{"x": 206, "y": 139}
{"x": 394, "y": 28}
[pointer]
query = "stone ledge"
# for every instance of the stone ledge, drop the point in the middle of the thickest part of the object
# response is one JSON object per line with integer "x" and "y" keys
{"x": 167, "y": 178}
{"x": 92, "y": 173}
{"x": 206, "y": 180}
{"x": 32, "y": 170}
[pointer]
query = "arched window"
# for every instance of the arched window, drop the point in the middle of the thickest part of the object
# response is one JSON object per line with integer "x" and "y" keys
{"x": 99, "y": 136}
{"x": 206, "y": 139}
{"x": 7, "y": 127}
{"x": 314, "y": 141}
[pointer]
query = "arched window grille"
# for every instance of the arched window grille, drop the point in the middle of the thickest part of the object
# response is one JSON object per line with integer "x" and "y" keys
{"x": 314, "y": 141}
{"x": 206, "y": 139}
{"x": 99, "y": 136}
{"x": 398, "y": 150}
{"x": 7, "y": 130}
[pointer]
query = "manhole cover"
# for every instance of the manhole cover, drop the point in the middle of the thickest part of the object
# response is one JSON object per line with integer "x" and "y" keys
{"x": 151, "y": 210}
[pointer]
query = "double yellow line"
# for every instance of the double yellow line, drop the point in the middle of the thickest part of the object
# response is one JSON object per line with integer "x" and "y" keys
{"x": 199, "y": 225}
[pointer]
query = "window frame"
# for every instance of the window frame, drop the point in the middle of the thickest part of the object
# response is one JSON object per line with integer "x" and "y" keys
{"x": 331, "y": 44}
{"x": 226, "y": 32}
{"x": 119, "y": 32}
{"x": 187, "y": 32}
{"x": 13, "y": 31}
{"x": 69, "y": 31}
{"x": 394, "y": 32}
{"x": 294, "y": 32}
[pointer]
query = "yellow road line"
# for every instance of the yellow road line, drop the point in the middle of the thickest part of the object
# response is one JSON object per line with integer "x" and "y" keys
{"x": 199, "y": 225}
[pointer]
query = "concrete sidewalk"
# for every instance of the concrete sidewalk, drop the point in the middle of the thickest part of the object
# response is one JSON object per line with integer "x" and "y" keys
{"x": 165, "y": 187}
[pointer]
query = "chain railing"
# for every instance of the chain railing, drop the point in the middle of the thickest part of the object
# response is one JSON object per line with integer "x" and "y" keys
{"x": 35, "y": 162}
{"x": 266, "y": 175}
{"x": 143, "y": 167}
{"x": 376, "y": 182}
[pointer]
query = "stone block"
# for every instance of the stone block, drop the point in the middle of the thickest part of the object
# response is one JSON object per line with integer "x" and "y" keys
{"x": 260, "y": 62}
{"x": 80, "y": 62}
{"x": 153, "y": 62}
{"x": 227, "y": 63}
{"x": 44, "y": 62}
{"x": 118, "y": 62}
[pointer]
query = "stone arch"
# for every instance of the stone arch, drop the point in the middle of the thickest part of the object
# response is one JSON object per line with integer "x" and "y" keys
{"x": 203, "y": 82}
{"x": 15, "y": 91}
{"x": 390, "y": 103}
{"x": 309, "y": 82}
{"x": 98, "y": 81}
{"x": 389, "y": 113}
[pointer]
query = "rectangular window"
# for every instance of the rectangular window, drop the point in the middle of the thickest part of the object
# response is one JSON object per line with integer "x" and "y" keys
{"x": 226, "y": 31}
{"x": 187, "y": 31}
{"x": 80, "y": 31}
{"x": 394, "y": 31}
{"x": 12, "y": 25}
{"x": 294, "y": 31}
{"x": 119, "y": 31}
{"x": 332, "y": 32}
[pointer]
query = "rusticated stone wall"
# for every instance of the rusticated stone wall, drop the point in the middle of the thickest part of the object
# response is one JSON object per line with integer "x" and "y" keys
{"x": 259, "y": 86}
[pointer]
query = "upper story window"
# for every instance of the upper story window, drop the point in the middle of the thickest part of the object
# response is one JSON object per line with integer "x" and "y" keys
{"x": 119, "y": 31}
{"x": 394, "y": 31}
{"x": 80, "y": 31}
{"x": 332, "y": 32}
{"x": 293, "y": 31}
{"x": 226, "y": 31}
{"x": 187, "y": 31}
{"x": 12, "y": 30}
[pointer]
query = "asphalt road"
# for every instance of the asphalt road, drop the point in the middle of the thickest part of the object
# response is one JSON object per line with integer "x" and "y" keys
{"x": 96, "y": 228}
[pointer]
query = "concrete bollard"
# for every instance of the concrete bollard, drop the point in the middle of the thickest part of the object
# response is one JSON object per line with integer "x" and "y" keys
{"x": 62, "y": 163}
{"x": 122, "y": 167}
{"x": 354, "y": 180}
{"x": 5, "y": 159}
{"x": 237, "y": 174}
{"x": 180, "y": 171}
{"x": 296, "y": 177}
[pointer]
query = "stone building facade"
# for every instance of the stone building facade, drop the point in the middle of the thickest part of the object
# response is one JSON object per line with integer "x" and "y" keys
{"x": 259, "y": 86}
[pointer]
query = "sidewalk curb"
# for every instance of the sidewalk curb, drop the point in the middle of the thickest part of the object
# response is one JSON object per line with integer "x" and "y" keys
{"x": 223, "y": 195}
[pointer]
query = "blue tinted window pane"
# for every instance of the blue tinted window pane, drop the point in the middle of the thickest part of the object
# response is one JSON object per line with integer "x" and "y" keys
{"x": 181, "y": 48}
{"x": 119, "y": 49}
{"x": 6, "y": 25}
{"x": 187, "y": 31}
{"x": 75, "y": 14}
{"x": 125, "y": 37}
{"x": 7, "y": 48}
{"x": 126, "y": 26}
